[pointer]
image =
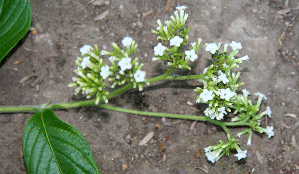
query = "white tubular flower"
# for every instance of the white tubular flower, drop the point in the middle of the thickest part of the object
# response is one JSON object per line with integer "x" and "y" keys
{"x": 85, "y": 62}
{"x": 125, "y": 63}
{"x": 225, "y": 47}
{"x": 223, "y": 77}
{"x": 244, "y": 58}
{"x": 209, "y": 113}
{"x": 212, "y": 47}
{"x": 85, "y": 49}
{"x": 205, "y": 70}
{"x": 105, "y": 71}
{"x": 246, "y": 92}
{"x": 181, "y": 7}
{"x": 176, "y": 41}
{"x": 241, "y": 154}
{"x": 269, "y": 131}
{"x": 269, "y": 112}
{"x": 139, "y": 76}
{"x": 159, "y": 49}
{"x": 127, "y": 41}
{"x": 235, "y": 45}
{"x": 221, "y": 113}
{"x": 191, "y": 55}
{"x": 226, "y": 94}
{"x": 261, "y": 95}
{"x": 206, "y": 95}
{"x": 211, "y": 156}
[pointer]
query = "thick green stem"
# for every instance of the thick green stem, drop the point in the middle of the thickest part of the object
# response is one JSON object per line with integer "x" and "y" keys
{"x": 36, "y": 108}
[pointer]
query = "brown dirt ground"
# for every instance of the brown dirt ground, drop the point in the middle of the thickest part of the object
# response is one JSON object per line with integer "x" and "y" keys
{"x": 67, "y": 25}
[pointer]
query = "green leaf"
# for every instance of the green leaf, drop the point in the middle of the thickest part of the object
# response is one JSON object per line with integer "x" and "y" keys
{"x": 15, "y": 21}
{"x": 52, "y": 146}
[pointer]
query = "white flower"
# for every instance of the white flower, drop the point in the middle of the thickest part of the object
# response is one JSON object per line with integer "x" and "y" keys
{"x": 221, "y": 113}
{"x": 191, "y": 55}
{"x": 212, "y": 47}
{"x": 206, "y": 95}
{"x": 85, "y": 49}
{"x": 246, "y": 92}
{"x": 176, "y": 41}
{"x": 139, "y": 76}
{"x": 105, "y": 71}
{"x": 127, "y": 41}
{"x": 223, "y": 77}
{"x": 235, "y": 45}
{"x": 159, "y": 49}
{"x": 226, "y": 94}
{"x": 165, "y": 29}
{"x": 241, "y": 154}
{"x": 209, "y": 113}
{"x": 181, "y": 7}
{"x": 205, "y": 70}
{"x": 193, "y": 45}
{"x": 85, "y": 62}
{"x": 125, "y": 63}
{"x": 244, "y": 58}
{"x": 269, "y": 131}
{"x": 261, "y": 95}
{"x": 211, "y": 156}
{"x": 269, "y": 112}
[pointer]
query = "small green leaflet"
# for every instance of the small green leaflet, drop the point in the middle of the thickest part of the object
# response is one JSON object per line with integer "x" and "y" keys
{"x": 15, "y": 22}
{"x": 52, "y": 146}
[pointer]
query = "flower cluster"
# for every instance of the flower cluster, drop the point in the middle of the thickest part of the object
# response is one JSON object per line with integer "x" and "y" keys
{"x": 219, "y": 83}
{"x": 214, "y": 153}
{"x": 92, "y": 70}
{"x": 176, "y": 34}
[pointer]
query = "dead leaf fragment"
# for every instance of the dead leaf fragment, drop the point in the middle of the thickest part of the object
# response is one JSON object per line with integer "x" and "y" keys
{"x": 37, "y": 81}
{"x": 79, "y": 26}
{"x": 193, "y": 125}
{"x": 39, "y": 27}
{"x": 290, "y": 115}
{"x": 146, "y": 139}
{"x": 148, "y": 13}
{"x": 204, "y": 169}
{"x": 164, "y": 157}
{"x": 197, "y": 155}
{"x": 168, "y": 5}
{"x": 98, "y": 2}
{"x": 283, "y": 11}
{"x": 189, "y": 103}
{"x": 294, "y": 142}
{"x": 24, "y": 79}
{"x": 124, "y": 166}
{"x": 101, "y": 16}
{"x": 161, "y": 146}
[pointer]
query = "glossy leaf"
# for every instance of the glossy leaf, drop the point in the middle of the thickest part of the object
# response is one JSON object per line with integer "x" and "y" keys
{"x": 15, "y": 22}
{"x": 52, "y": 146}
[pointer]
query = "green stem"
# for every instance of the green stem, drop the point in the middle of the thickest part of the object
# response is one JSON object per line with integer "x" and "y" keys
{"x": 158, "y": 114}
{"x": 37, "y": 108}
{"x": 201, "y": 76}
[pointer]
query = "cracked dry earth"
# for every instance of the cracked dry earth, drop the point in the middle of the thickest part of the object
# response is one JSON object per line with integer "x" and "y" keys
{"x": 267, "y": 29}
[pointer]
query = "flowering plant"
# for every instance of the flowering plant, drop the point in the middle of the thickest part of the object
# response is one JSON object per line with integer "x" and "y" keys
{"x": 220, "y": 90}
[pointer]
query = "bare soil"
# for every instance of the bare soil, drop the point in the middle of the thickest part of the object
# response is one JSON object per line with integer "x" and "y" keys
{"x": 269, "y": 37}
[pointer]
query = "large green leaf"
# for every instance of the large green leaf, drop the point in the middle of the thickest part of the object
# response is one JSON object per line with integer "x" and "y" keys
{"x": 52, "y": 146}
{"x": 15, "y": 21}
